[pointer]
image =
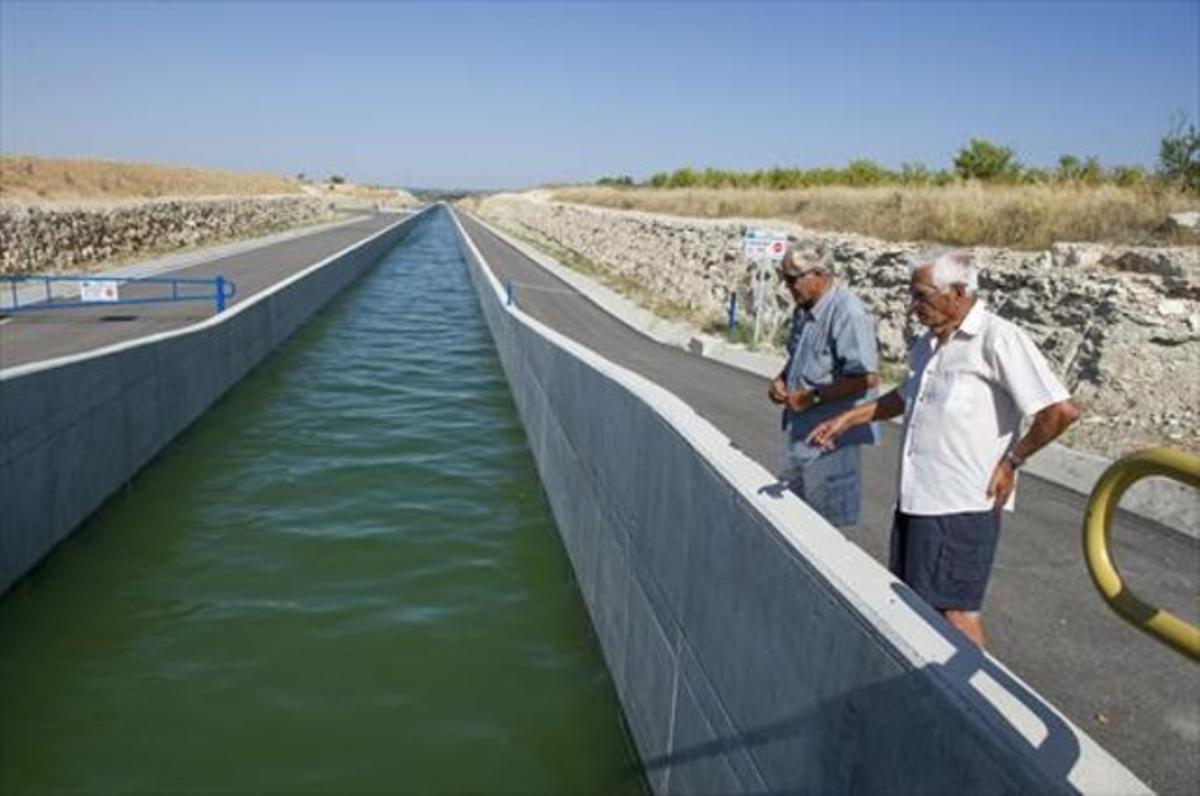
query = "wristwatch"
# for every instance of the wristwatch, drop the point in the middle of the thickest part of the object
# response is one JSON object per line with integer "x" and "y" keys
{"x": 1014, "y": 458}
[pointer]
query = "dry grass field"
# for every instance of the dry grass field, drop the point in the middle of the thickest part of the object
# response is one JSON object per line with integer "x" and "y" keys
{"x": 352, "y": 192}
{"x": 1022, "y": 217}
{"x": 30, "y": 179}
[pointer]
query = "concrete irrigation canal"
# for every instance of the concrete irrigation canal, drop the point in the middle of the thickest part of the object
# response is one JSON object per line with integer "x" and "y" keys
{"x": 378, "y": 528}
{"x": 344, "y": 577}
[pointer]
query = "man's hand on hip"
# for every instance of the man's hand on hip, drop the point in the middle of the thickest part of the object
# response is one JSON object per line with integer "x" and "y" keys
{"x": 1001, "y": 484}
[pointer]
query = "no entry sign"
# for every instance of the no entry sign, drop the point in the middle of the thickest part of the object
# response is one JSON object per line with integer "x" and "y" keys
{"x": 98, "y": 290}
{"x": 764, "y": 247}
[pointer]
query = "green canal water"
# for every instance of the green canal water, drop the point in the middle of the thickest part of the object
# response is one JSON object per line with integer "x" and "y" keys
{"x": 344, "y": 578}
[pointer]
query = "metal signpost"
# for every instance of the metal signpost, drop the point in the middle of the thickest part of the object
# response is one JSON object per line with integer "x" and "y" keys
{"x": 764, "y": 248}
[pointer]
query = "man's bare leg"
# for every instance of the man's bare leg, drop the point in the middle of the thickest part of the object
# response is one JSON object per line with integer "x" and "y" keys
{"x": 970, "y": 623}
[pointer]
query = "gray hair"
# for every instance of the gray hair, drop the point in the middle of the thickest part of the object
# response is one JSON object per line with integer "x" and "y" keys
{"x": 808, "y": 256}
{"x": 948, "y": 268}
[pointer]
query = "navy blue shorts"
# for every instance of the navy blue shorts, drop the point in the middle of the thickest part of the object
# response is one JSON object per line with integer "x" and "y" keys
{"x": 947, "y": 559}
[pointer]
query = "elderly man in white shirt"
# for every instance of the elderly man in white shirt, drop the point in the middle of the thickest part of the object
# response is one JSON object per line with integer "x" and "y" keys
{"x": 972, "y": 378}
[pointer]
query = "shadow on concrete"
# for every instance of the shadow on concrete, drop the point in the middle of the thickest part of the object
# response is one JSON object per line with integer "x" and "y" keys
{"x": 776, "y": 489}
{"x": 1057, "y": 753}
{"x": 842, "y": 744}
{"x": 68, "y": 318}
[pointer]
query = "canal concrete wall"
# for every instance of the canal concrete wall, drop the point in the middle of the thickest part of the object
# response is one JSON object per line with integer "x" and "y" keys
{"x": 75, "y": 429}
{"x": 752, "y": 646}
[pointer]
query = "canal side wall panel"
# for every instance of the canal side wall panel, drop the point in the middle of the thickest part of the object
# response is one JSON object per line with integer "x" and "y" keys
{"x": 752, "y": 647}
{"x": 73, "y": 432}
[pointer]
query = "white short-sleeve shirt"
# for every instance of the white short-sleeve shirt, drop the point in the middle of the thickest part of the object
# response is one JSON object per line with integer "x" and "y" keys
{"x": 963, "y": 406}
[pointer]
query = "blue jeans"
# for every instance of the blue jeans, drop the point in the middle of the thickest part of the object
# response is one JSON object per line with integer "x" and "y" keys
{"x": 831, "y": 484}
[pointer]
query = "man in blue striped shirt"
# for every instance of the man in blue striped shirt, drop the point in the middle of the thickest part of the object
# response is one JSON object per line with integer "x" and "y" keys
{"x": 832, "y": 365}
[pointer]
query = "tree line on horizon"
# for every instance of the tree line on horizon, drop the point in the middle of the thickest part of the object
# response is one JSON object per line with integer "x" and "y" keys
{"x": 979, "y": 160}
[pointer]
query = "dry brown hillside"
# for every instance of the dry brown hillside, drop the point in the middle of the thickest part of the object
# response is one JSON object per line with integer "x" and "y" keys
{"x": 1022, "y": 217}
{"x": 24, "y": 178}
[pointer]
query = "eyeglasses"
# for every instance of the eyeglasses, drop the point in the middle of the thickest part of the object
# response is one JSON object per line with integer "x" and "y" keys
{"x": 789, "y": 279}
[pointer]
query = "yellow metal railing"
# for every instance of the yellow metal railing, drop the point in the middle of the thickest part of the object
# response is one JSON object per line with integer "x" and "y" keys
{"x": 1097, "y": 536}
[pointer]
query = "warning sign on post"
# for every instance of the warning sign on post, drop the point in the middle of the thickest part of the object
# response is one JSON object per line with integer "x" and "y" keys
{"x": 764, "y": 247}
{"x": 98, "y": 290}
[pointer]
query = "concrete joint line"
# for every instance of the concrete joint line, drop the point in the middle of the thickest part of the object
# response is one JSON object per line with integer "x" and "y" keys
{"x": 669, "y": 747}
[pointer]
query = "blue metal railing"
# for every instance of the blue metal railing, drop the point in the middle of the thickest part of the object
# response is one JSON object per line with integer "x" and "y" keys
{"x": 219, "y": 291}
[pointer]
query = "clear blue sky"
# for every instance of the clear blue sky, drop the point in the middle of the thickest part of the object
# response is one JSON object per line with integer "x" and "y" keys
{"x": 508, "y": 95}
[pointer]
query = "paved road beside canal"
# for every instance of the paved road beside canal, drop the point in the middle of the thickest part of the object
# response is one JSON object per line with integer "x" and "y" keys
{"x": 35, "y": 336}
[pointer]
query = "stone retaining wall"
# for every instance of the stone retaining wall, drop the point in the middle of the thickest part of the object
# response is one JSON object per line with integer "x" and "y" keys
{"x": 56, "y": 237}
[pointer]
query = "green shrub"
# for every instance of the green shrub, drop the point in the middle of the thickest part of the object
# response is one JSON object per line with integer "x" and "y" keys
{"x": 1128, "y": 176}
{"x": 979, "y": 160}
{"x": 683, "y": 178}
{"x": 1091, "y": 172}
{"x": 867, "y": 172}
{"x": 1035, "y": 177}
{"x": 1068, "y": 167}
{"x": 1179, "y": 157}
{"x": 982, "y": 160}
{"x": 915, "y": 174}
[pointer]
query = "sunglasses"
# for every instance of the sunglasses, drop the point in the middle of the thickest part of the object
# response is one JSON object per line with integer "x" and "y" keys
{"x": 789, "y": 279}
